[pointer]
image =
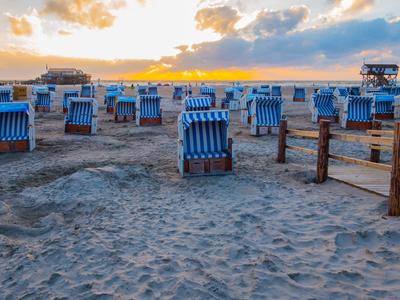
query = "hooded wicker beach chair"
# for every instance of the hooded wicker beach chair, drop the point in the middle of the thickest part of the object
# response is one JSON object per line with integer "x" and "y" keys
{"x": 69, "y": 94}
{"x": 357, "y": 113}
{"x": 245, "y": 108}
{"x": 209, "y": 91}
{"x": 110, "y": 99}
{"x": 383, "y": 107}
{"x": 125, "y": 109}
{"x": 6, "y": 94}
{"x": 82, "y": 116}
{"x": 204, "y": 147}
{"x": 17, "y": 129}
{"x": 141, "y": 90}
{"x": 341, "y": 93}
{"x": 148, "y": 110}
{"x": 52, "y": 87}
{"x": 88, "y": 91}
{"x": 264, "y": 90}
{"x": 152, "y": 90}
{"x": 266, "y": 111}
{"x": 232, "y": 98}
{"x": 326, "y": 91}
{"x": 322, "y": 106}
{"x": 276, "y": 91}
{"x": 199, "y": 103}
{"x": 299, "y": 94}
{"x": 178, "y": 92}
{"x": 354, "y": 91}
{"x": 44, "y": 100}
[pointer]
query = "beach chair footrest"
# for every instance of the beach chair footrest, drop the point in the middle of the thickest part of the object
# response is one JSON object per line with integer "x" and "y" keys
{"x": 384, "y": 116}
{"x": 150, "y": 121}
{"x": 42, "y": 109}
{"x": 110, "y": 110}
{"x": 122, "y": 119}
{"x": 79, "y": 129}
{"x": 208, "y": 166}
{"x": 14, "y": 146}
{"x": 299, "y": 100}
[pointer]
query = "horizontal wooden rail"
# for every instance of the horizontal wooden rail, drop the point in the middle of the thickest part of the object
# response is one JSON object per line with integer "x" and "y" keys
{"x": 381, "y": 132}
{"x": 303, "y": 133}
{"x": 381, "y": 148}
{"x": 301, "y": 149}
{"x": 361, "y": 162}
{"x": 361, "y": 139}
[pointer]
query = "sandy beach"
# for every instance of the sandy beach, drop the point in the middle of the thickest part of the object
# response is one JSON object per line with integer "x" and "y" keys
{"x": 109, "y": 217}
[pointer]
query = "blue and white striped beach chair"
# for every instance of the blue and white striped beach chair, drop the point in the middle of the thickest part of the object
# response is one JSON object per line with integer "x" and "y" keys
{"x": 152, "y": 90}
{"x": 6, "y": 94}
{"x": 266, "y": 111}
{"x": 299, "y": 94}
{"x": 209, "y": 91}
{"x": 357, "y": 113}
{"x": 264, "y": 90}
{"x": 178, "y": 92}
{"x": 88, "y": 91}
{"x": 204, "y": 147}
{"x": 110, "y": 99}
{"x": 17, "y": 128}
{"x": 276, "y": 91}
{"x": 82, "y": 116}
{"x": 232, "y": 97}
{"x": 326, "y": 91}
{"x": 69, "y": 94}
{"x": 125, "y": 107}
{"x": 383, "y": 107}
{"x": 52, "y": 87}
{"x": 245, "y": 108}
{"x": 322, "y": 106}
{"x": 44, "y": 100}
{"x": 141, "y": 90}
{"x": 354, "y": 91}
{"x": 148, "y": 110}
{"x": 200, "y": 103}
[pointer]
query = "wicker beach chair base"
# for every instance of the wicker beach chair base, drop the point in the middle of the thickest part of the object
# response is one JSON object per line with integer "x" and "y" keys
{"x": 150, "y": 121}
{"x": 299, "y": 100}
{"x": 14, "y": 146}
{"x": 78, "y": 129}
{"x": 383, "y": 116}
{"x": 42, "y": 109}
{"x": 123, "y": 119}
{"x": 359, "y": 125}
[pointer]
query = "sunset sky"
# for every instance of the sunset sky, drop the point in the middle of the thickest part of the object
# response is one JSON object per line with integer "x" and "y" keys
{"x": 198, "y": 39}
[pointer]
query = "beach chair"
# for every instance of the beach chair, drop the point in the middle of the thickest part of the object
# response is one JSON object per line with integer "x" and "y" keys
{"x": 141, "y": 90}
{"x": 266, "y": 111}
{"x": 341, "y": 93}
{"x": 110, "y": 99}
{"x": 232, "y": 98}
{"x": 357, "y": 113}
{"x": 178, "y": 92}
{"x": 88, "y": 91}
{"x": 252, "y": 90}
{"x": 148, "y": 110}
{"x": 197, "y": 103}
{"x": 203, "y": 146}
{"x": 6, "y": 94}
{"x": 245, "y": 108}
{"x": 276, "y": 91}
{"x": 322, "y": 107}
{"x": 20, "y": 92}
{"x": 264, "y": 90}
{"x": 209, "y": 91}
{"x": 299, "y": 94}
{"x": 82, "y": 116}
{"x": 326, "y": 91}
{"x": 125, "y": 108}
{"x": 383, "y": 107}
{"x": 152, "y": 90}
{"x": 52, "y": 87}
{"x": 44, "y": 100}
{"x": 354, "y": 91}
{"x": 69, "y": 94}
{"x": 17, "y": 129}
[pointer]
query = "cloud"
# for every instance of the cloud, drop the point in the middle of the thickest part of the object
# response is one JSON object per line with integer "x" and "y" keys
{"x": 20, "y": 26}
{"x": 358, "y": 6}
{"x": 220, "y": 19}
{"x": 336, "y": 44}
{"x": 277, "y": 22}
{"x": 348, "y": 8}
{"x": 88, "y": 13}
{"x": 64, "y": 32}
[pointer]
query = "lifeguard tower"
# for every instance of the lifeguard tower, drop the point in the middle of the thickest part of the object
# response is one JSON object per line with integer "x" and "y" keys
{"x": 378, "y": 75}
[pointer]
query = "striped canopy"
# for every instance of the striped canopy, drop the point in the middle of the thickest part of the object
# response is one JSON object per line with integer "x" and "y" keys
{"x": 268, "y": 110}
{"x": 343, "y": 92}
{"x": 126, "y": 99}
{"x": 360, "y": 108}
{"x": 327, "y": 91}
{"x": 216, "y": 116}
{"x": 14, "y": 107}
{"x": 207, "y": 90}
{"x": 197, "y": 103}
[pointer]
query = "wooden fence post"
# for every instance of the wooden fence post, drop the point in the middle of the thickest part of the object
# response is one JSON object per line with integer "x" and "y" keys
{"x": 323, "y": 151}
{"x": 282, "y": 142}
{"x": 394, "y": 196}
{"x": 375, "y": 153}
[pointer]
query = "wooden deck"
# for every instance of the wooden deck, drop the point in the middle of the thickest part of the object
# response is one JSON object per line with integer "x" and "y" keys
{"x": 371, "y": 180}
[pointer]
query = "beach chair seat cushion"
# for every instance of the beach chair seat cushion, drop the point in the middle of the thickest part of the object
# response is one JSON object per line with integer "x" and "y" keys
{"x": 206, "y": 155}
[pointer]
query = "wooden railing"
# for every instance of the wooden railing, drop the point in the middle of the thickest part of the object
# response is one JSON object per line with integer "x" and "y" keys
{"x": 378, "y": 140}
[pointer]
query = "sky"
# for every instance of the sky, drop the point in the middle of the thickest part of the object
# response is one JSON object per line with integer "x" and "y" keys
{"x": 198, "y": 39}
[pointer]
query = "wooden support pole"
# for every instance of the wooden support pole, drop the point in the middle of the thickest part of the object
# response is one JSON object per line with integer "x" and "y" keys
{"x": 282, "y": 142}
{"x": 375, "y": 153}
{"x": 394, "y": 196}
{"x": 323, "y": 152}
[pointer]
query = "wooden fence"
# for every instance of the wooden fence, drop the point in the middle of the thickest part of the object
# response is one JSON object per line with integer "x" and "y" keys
{"x": 379, "y": 140}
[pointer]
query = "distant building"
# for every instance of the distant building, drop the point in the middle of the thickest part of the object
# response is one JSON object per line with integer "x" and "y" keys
{"x": 65, "y": 76}
{"x": 377, "y": 75}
